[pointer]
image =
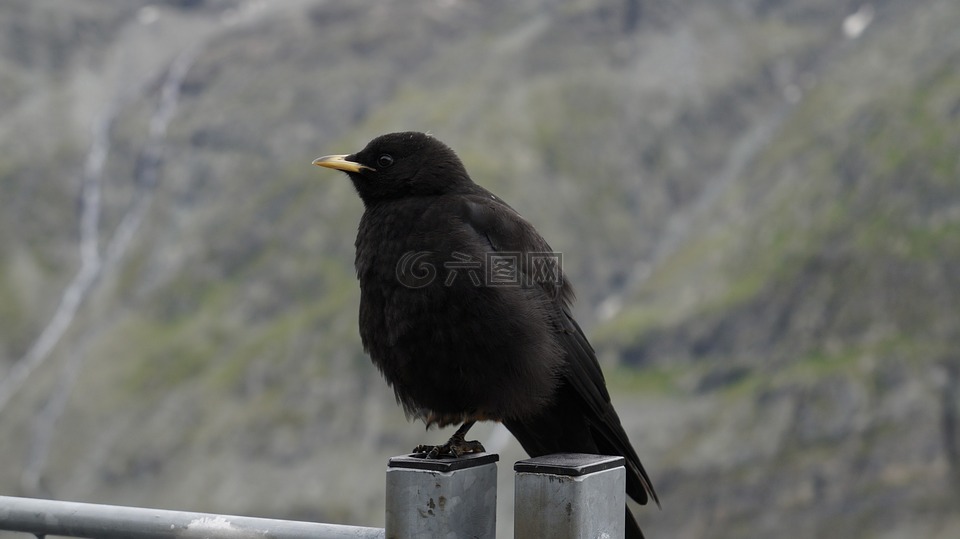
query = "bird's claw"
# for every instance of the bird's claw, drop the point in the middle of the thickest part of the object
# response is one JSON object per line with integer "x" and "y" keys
{"x": 454, "y": 449}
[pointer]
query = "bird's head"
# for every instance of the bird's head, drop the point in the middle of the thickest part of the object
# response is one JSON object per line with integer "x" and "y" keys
{"x": 399, "y": 165}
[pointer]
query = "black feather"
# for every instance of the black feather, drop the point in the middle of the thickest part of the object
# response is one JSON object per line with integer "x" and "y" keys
{"x": 466, "y": 311}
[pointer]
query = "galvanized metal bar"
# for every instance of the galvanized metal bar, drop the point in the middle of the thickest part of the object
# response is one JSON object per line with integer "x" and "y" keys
{"x": 442, "y": 497}
{"x": 42, "y": 517}
{"x": 570, "y": 495}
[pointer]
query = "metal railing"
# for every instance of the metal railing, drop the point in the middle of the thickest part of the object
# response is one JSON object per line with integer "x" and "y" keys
{"x": 560, "y": 496}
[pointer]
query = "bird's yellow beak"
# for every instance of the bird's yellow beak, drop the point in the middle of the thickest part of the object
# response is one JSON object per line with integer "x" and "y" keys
{"x": 339, "y": 162}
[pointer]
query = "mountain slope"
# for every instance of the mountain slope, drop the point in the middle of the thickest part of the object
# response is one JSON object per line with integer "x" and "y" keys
{"x": 759, "y": 213}
{"x": 813, "y": 313}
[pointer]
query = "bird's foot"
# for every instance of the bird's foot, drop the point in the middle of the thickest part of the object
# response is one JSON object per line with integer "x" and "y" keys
{"x": 455, "y": 448}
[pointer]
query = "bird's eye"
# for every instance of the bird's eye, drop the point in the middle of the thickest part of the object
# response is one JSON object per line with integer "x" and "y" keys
{"x": 384, "y": 160}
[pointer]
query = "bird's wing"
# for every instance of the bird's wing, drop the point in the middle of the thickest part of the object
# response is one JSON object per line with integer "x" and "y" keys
{"x": 587, "y": 380}
{"x": 506, "y": 231}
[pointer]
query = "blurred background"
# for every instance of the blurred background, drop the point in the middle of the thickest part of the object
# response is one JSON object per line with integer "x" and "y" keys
{"x": 758, "y": 202}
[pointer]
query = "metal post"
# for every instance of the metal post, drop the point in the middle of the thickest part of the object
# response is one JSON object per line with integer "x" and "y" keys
{"x": 570, "y": 495}
{"x": 442, "y": 497}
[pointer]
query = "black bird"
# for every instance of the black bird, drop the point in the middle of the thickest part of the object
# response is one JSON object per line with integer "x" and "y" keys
{"x": 465, "y": 310}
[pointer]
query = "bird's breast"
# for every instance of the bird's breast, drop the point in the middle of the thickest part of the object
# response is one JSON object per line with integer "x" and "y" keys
{"x": 444, "y": 339}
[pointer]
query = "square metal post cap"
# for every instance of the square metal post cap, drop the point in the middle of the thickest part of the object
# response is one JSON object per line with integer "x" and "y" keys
{"x": 571, "y": 464}
{"x": 416, "y": 461}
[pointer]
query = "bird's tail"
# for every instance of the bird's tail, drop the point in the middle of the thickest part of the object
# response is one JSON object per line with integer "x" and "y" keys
{"x": 633, "y": 530}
